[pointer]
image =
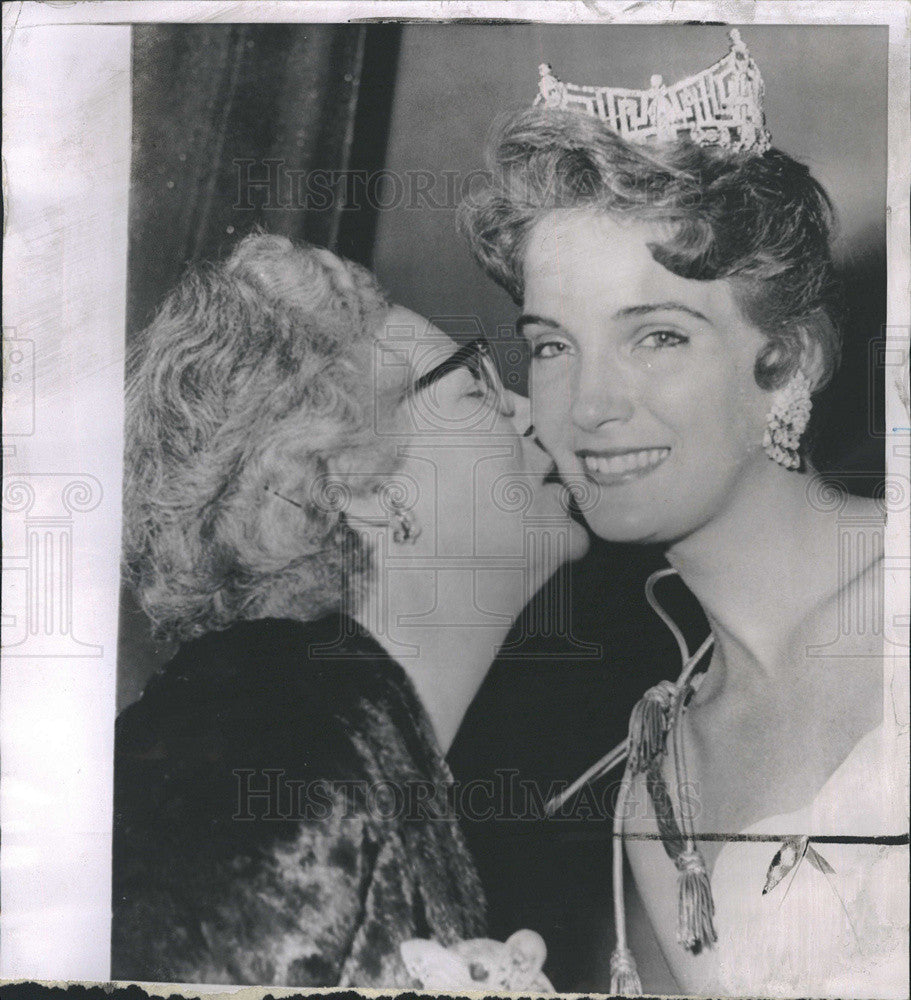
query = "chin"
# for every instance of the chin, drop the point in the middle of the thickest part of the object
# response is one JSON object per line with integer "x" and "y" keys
{"x": 631, "y": 527}
{"x": 579, "y": 542}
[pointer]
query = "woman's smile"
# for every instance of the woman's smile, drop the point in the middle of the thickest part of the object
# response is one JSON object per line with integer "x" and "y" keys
{"x": 615, "y": 466}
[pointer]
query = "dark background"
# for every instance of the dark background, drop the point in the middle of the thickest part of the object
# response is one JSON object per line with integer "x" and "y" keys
{"x": 215, "y": 104}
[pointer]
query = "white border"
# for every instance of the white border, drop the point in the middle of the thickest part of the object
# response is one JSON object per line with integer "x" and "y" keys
{"x": 66, "y": 149}
{"x": 891, "y": 12}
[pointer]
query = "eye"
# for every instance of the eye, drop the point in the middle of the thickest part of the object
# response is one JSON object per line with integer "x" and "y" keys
{"x": 659, "y": 339}
{"x": 543, "y": 350}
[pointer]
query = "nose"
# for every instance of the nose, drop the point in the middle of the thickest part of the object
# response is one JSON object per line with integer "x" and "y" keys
{"x": 602, "y": 396}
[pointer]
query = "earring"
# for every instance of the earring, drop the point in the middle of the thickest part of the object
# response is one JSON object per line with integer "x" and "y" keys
{"x": 406, "y": 528}
{"x": 787, "y": 420}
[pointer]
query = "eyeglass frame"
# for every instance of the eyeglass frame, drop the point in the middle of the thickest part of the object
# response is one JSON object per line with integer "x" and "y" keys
{"x": 476, "y": 353}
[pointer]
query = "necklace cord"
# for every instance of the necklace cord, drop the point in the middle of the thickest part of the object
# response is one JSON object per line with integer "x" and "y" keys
{"x": 683, "y": 688}
{"x": 619, "y": 753}
{"x": 624, "y": 977}
{"x": 655, "y": 605}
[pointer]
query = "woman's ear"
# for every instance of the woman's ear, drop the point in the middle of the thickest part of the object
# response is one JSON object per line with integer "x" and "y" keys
{"x": 815, "y": 363}
{"x": 352, "y": 484}
{"x": 368, "y": 490}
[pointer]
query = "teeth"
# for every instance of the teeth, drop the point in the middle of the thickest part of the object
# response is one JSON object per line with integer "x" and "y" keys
{"x": 617, "y": 465}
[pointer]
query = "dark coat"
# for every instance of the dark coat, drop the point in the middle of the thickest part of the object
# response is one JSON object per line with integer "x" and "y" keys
{"x": 349, "y": 848}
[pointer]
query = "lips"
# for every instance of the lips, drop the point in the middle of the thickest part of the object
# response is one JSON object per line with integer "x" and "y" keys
{"x": 618, "y": 465}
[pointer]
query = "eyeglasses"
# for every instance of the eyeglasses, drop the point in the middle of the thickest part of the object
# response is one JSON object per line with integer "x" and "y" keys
{"x": 476, "y": 357}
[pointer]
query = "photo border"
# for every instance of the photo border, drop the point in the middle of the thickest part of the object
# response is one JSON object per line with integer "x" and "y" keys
{"x": 67, "y": 126}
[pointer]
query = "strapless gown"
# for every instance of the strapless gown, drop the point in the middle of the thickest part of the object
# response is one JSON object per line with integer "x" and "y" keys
{"x": 818, "y": 934}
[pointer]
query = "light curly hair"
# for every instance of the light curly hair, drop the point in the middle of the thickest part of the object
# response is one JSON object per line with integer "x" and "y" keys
{"x": 253, "y": 379}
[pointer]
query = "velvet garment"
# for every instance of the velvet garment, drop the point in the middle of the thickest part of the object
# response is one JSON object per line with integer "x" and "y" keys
{"x": 280, "y": 816}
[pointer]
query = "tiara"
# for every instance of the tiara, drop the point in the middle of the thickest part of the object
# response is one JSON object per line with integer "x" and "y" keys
{"x": 721, "y": 106}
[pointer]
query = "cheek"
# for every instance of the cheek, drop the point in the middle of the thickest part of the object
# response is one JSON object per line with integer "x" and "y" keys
{"x": 748, "y": 407}
{"x": 480, "y": 495}
{"x": 551, "y": 402}
{"x": 725, "y": 411}
{"x": 466, "y": 477}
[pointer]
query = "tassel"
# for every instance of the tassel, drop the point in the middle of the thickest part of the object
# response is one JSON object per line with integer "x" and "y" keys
{"x": 624, "y": 979}
{"x": 695, "y": 906}
{"x": 648, "y": 725}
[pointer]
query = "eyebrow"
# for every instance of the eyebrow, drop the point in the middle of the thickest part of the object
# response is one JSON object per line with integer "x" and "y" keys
{"x": 530, "y": 319}
{"x": 645, "y": 309}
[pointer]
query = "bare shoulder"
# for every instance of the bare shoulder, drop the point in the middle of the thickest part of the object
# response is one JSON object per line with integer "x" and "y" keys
{"x": 849, "y": 611}
{"x": 838, "y": 642}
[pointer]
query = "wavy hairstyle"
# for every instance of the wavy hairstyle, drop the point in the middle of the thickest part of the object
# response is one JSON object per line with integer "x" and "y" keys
{"x": 762, "y": 222}
{"x": 253, "y": 377}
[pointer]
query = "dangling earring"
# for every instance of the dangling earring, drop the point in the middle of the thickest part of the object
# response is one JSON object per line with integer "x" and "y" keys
{"x": 787, "y": 420}
{"x": 406, "y": 528}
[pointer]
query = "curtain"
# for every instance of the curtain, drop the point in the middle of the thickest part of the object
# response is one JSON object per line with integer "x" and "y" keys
{"x": 238, "y": 126}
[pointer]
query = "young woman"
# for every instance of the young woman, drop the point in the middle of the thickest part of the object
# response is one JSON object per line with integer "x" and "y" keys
{"x": 678, "y": 300}
{"x": 330, "y": 504}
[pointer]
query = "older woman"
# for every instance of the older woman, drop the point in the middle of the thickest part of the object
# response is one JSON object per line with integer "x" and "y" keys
{"x": 676, "y": 289}
{"x": 330, "y": 505}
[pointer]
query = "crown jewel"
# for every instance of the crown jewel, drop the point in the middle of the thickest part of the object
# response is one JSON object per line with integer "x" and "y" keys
{"x": 721, "y": 106}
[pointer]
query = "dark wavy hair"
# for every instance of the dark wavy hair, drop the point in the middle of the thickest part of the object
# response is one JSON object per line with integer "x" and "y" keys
{"x": 760, "y": 221}
{"x": 253, "y": 377}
